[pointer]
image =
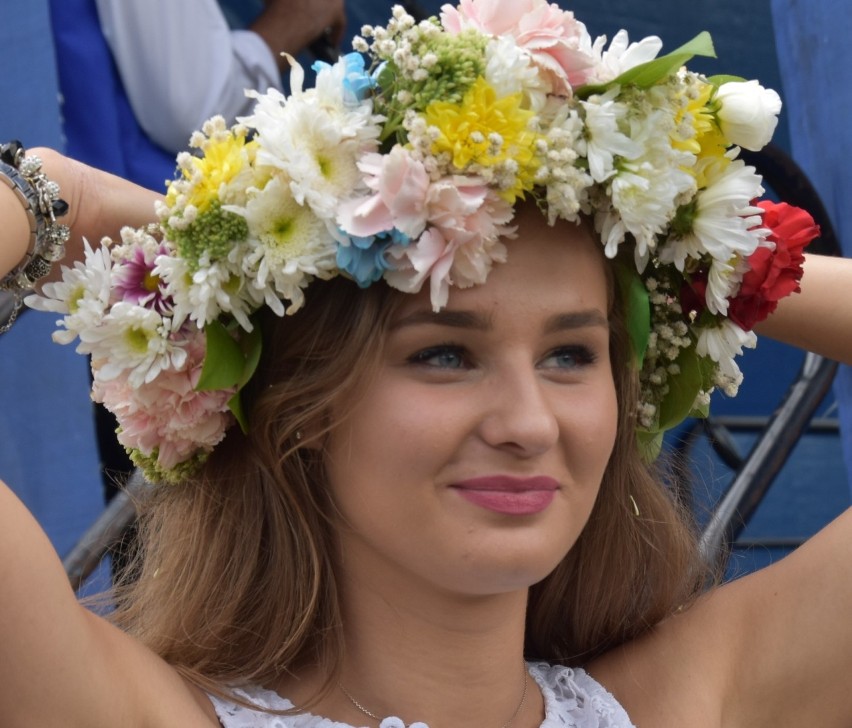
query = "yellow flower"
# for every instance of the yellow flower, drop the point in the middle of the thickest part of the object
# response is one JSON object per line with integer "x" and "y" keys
{"x": 486, "y": 132}
{"x": 707, "y": 141}
{"x": 224, "y": 158}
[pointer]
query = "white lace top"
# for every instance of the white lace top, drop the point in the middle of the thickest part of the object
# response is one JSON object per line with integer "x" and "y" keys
{"x": 572, "y": 699}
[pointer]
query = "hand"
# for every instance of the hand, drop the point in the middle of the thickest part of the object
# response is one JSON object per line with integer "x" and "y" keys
{"x": 292, "y": 25}
{"x": 99, "y": 203}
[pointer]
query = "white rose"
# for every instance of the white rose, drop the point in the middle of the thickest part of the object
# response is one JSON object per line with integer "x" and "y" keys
{"x": 748, "y": 113}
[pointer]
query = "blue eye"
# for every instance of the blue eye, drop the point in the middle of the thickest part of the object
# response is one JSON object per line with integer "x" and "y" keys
{"x": 446, "y": 356}
{"x": 570, "y": 357}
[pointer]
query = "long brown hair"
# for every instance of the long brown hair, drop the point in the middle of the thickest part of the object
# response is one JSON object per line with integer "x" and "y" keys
{"x": 235, "y": 581}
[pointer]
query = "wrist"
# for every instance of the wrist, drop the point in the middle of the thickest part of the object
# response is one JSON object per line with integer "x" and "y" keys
{"x": 37, "y": 234}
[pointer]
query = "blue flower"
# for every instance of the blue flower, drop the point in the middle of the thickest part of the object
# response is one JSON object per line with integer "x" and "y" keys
{"x": 364, "y": 258}
{"x": 357, "y": 83}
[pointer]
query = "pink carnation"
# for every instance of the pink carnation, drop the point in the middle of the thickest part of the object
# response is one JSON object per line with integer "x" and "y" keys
{"x": 556, "y": 40}
{"x": 167, "y": 413}
{"x": 400, "y": 184}
{"x": 466, "y": 222}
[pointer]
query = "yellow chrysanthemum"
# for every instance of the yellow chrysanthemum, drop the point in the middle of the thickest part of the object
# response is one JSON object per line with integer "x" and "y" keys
{"x": 485, "y": 132}
{"x": 224, "y": 158}
{"x": 707, "y": 140}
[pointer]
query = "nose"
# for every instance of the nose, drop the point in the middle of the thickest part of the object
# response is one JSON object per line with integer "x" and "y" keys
{"x": 519, "y": 416}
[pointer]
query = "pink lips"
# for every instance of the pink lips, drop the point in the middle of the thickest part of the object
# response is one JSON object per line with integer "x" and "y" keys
{"x": 509, "y": 495}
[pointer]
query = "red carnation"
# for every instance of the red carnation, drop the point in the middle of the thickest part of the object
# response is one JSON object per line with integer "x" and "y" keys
{"x": 776, "y": 273}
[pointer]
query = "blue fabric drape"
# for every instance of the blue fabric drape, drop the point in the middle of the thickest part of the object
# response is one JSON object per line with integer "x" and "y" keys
{"x": 99, "y": 124}
{"x": 814, "y": 55}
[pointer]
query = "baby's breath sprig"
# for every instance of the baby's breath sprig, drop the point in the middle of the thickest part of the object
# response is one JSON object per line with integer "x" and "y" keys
{"x": 421, "y": 65}
{"x": 668, "y": 338}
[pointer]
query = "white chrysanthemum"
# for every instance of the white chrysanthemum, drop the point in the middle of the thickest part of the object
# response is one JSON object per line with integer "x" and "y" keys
{"x": 647, "y": 191}
{"x": 723, "y": 282}
{"x": 213, "y": 288}
{"x": 288, "y": 246}
{"x": 725, "y": 225}
{"x": 722, "y": 344}
{"x": 83, "y": 294}
{"x": 316, "y": 138}
{"x": 509, "y": 69}
{"x": 605, "y": 139}
{"x": 133, "y": 339}
{"x": 622, "y": 55}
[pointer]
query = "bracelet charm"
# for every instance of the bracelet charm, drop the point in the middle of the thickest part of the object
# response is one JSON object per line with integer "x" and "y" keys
{"x": 40, "y": 199}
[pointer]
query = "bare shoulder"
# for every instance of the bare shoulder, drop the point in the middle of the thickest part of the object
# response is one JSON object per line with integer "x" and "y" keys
{"x": 674, "y": 675}
{"x": 771, "y": 649}
{"x": 156, "y": 695}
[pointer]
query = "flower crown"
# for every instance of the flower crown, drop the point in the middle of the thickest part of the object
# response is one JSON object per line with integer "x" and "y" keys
{"x": 406, "y": 167}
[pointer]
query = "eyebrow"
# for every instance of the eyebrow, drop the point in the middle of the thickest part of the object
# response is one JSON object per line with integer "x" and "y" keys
{"x": 453, "y": 319}
{"x": 576, "y": 320}
{"x": 476, "y": 321}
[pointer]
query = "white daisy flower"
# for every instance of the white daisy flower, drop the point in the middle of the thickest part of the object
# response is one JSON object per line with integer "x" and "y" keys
{"x": 622, "y": 55}
{"x": 725, "y": 224}
{"x": 288, "y": 246}
{"x": 212, "y": 289}
{"x": 316, "y": 138}
{"x": 83, "y": 294}
{"x": 604, "y": 138}
{"x": 723, "y": 281}
{"x": 133, "y": 339}
{"x": 722, "y": 344}
{"x": 646, "y": 191}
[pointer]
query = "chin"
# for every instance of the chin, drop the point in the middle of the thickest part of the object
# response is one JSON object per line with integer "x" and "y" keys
{"x": 486, "y": 577}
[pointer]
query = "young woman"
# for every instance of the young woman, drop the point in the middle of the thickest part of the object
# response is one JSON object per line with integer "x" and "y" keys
{"x": 430, "y": 501}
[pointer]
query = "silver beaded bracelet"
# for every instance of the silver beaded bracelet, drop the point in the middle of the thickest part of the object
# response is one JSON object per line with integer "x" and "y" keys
{"x": 40, "y": 199}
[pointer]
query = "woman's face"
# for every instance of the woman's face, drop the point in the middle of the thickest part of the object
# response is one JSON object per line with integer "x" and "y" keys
{"x": 472, "y": 458}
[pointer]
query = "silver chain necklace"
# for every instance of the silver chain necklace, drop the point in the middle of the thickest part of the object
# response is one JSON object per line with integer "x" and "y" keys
{"x": 379, "y": 719}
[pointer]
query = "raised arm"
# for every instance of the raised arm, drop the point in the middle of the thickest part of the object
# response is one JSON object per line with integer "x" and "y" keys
{"x": 62, "y": 666}
{"x": 59, "y": 664}
{"x": 99, "y": 204}
{"x": 818, "y": 319}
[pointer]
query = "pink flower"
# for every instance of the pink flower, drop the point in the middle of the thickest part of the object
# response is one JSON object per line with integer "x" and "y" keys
{"x": 134, "y": 279}
{"x": 400, "y": 184}
{"x": 556, "y": 40}
{"x": 167, "y": 413}
{"x": 466, "y": 222}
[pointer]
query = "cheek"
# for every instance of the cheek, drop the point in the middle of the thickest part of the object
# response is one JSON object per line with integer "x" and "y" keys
{"x": 372, "y": 451}
{"x": 595, "y": 429}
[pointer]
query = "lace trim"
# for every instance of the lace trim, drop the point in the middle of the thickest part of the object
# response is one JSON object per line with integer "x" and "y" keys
{"x": 572, "y": 699}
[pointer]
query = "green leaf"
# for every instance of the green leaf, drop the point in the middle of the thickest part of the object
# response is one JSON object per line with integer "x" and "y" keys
{"x": 224, "y": 361}
{"x": 652, "y": 72}
{"x": 719, "y": 79}
{"x": 695, "y": 375}
{"x": 230, "y": 362}
{"x": 251, "y": 345}
{"x": 235, "y": 404}
{"x": 637, "y": 307}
